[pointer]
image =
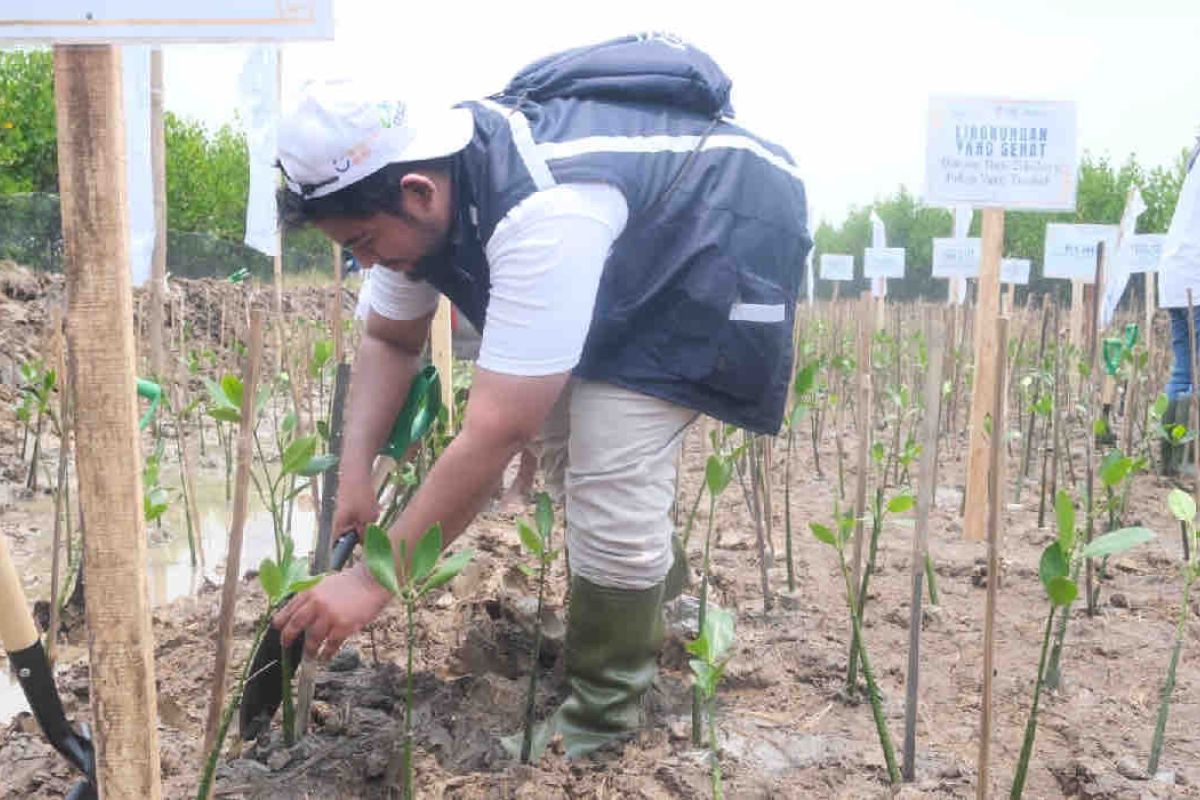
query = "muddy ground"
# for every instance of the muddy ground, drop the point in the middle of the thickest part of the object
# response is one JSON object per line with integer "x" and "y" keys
{"x": 786, "y": 727}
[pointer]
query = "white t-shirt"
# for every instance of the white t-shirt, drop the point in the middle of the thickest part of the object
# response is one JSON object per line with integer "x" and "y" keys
{"x": 546, "y": 256}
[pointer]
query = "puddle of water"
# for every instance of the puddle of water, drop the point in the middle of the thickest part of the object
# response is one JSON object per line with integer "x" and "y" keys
{"x": 169, "y": 571}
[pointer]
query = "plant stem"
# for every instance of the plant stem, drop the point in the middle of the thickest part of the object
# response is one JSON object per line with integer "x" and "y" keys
{"x": 697, "y": 696}
{"x": 288, "y": 708}
{"x": 210, "y": 764}
{"x": 1164, "y": 706}
{"x": 787, "y": 512}
{"x": 885, "y": 737}
{"x": 687, "y": 532}
{"x": 931, "y": 579}
{"x": 527, "y": 742}
{"x": 714, "y": 752}
{"x": 876, "y": 524}
{"x": 410, "y": 606}
{"x": 1018, "y": 786}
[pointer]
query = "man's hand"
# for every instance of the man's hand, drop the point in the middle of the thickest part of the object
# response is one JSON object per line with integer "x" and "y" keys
{"x": 356, "y": 506}
{"x": 332, "y": 611}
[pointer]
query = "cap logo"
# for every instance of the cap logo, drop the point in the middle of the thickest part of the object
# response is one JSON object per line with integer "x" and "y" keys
{"x": 391, "y": 115}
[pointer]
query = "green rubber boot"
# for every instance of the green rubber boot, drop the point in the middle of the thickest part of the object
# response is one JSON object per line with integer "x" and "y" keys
{"x": 680, "y": 576}
{"x": 613, "y": 640}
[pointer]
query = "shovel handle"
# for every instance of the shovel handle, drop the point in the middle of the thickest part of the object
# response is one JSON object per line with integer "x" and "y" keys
{"x": 342, "y": 549}
{"x": 17, "y": 630}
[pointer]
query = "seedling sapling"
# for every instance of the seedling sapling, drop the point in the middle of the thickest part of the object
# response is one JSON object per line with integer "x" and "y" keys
{"x": 711, "y": 651}
{"x": 421, "y": 576}
{"x": 537, "y": 542}
{"x": 718, "y": 472}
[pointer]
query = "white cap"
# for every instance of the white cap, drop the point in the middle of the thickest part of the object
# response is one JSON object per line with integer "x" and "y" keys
{"x": 336, "y": 136}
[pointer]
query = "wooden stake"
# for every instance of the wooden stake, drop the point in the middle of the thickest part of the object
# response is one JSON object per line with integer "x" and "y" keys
{"x": 336, "y": 317}
{"x": 233, "y": 556}
{"x": 62, "y": 509}
{"x": 443, "y": 355}
{"x": 865, "y": 323}
{"x": 986, "y": 377}
{"x": 926, "y": 488}
{"x": 1151, "y": 305}
{"x": 189, "y": 491}
{"x": 87, "y": 93}
{"x": 996, "y": 505}
{"x": 158, "y": 264}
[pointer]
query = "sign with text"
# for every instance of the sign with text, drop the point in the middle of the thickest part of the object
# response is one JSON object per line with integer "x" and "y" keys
{"x": 67, "y": 21}
{"x": 1001, "y": 153}
{"x": 1140, "y": 253}
{"x": 1071, "y": 250}
{"x": 1015, "y": 270}
{"x": 883, "y": 262}
{"x": 956, "y": 258}
{"x": 837, "y": 267}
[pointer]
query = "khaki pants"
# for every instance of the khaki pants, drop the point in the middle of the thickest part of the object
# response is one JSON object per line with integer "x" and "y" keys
{"x": 612, "y": 452}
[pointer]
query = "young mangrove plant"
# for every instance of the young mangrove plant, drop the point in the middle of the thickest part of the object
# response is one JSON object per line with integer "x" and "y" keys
{"x": 421, "y": 575}
{"x": 537, "y": 541}
{"x": 1183, "y": 508}
{"x": 836, "y": 537}
{"x": 1058, "y": 572}
{"x": 280, "y": 580}
{"x": 802, "y": 389}
{"x": 718, "y": 472}
{"x": 712, "y": 653}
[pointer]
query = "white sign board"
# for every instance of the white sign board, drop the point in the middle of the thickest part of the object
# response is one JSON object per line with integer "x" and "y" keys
{"x": 883, "y": 262}
{"x": 956, "y": 258}
{"x": 1015, "y": 270}
{"x": 837, "y": 267}
{"x": 1140, "y": 253}
{"x": 1071, "y": 250}
{"x": 1001, "y": 153}
{"x": 67, "y": 21}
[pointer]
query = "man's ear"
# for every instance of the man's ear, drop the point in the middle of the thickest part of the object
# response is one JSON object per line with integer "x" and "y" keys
{"x": 419, "y": 189}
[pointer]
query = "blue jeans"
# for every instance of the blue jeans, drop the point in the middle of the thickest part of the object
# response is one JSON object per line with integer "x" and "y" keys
{"x": 1180, "y": 380}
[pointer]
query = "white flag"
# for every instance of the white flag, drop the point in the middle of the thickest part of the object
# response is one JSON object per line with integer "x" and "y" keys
{"x": 259, "y": 99}
{"x": 139, "y": 171}
{"x": 878, "y": 231}
{"x": 962, "y": 221}
{"x": 1118, "y": 269}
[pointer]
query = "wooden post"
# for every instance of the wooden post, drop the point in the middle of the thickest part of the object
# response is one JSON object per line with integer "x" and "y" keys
{"x": 443, "y": 355}
{"x": 277, "y": 261}
{"x": 987, "y": 311}
{"x": 1076, "y": 318}
{"x": 158, "y": 264}
{"x": 336, "y": 317}
{"x": 62, "y": 508}
{"x": 865, "y": 329}
{"x": 233, "y": 556}
{"x": 87, "y": 81}
{"x": 1151, "y": 305}
{"x": 926, "y": 487}
{"x": 996, "y": 505}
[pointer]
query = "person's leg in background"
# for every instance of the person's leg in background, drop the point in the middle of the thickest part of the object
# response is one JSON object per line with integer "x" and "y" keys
{"x": 620, "y": 484}
{"x": 1178, "y": 389}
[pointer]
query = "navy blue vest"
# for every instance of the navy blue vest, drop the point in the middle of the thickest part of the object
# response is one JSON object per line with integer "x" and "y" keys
{"x": 696, "y": 303}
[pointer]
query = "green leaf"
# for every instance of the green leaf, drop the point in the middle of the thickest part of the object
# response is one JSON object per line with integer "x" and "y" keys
{"x": 1117, "y": 541}
{"x": 1182, "y": 505}
{"x": 289, "y": 423}
{"x": 1053, "y": 564}
{"x": 1064, "y": 513}
{"x": 425, "y": 554}
{"x": 718, "y": 629}
{"x": 323, "y": 429}
{"x": 805, "y": 379}
{"x": 544, "y": 515}
{"x": 706, "y": 677}
{"x": 528, "y": 571}
{"x": 1160, "y": 405}
{"x": 718, "y": 472}
{"x": 377, "y": 552}
{"x": 447, "y": 570}
{"x": 529, "y": 538}
{"x": 225, "y": 414}
{"x": 1062, "y": 591}
{"x": 901, "y": 503}
{"x": 318, "y": 464}
{"x": 1114, "y": 467}
{"x": 271, "y": 579}
{"x": 302, "y": 585}
{"x": 231, "y": 387}
{"x": 823, "y": 533}
{"x": 1100, "y": 427}
{"x": 877, "y": 452}
{"x": 298, "y": 454}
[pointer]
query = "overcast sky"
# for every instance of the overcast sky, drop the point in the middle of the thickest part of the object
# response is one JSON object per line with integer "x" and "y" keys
{"x": 844, "y": 86}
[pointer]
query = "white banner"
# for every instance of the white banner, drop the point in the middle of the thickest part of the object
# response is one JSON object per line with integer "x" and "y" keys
{"x": 956, "y": 258}
{"x": 139, "y": 167}
{"x": 258, "y": 94}
{"x": 1071, "y": 250}
{"x": 159, "y": 21}
{"x": 837, "y": 267}
{"x": 1141, "y": 253}
{"x": 883, "y": 262}
{"x": 1001, "y": 153}
{"x": 1015, "y": 270}
{"x": 962, "y": 221}
{"x": 878, "y": 231}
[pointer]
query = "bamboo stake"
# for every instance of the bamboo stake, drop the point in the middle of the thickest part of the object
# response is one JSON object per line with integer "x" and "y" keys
{"x": 995, "y": 491}
{"x": 233, "y": 556}
{"x": 62, "y": 508}
{"x": 935, "y": 342}
{"x": 158, "y": 267}
{"x": 87, "y": 93}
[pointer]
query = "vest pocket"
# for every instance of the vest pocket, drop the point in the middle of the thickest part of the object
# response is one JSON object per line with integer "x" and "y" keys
{"x": 752, "y": 343}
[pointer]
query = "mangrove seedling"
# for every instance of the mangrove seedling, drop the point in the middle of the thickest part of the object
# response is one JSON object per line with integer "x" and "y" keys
{"x": 1058, "y": 572}
{"x": 802, "y": 389}
{"x": 718, "y": 472}
{"x": 537, "y": 542}
{"x": 836, "y": 537}
{"x": 712, "y": 653}
{"x": 422, "y": 574}
{"x": 1183, "y": 508}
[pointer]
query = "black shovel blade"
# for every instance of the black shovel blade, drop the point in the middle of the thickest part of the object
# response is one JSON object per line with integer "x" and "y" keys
{"x": 263, "y": 692}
